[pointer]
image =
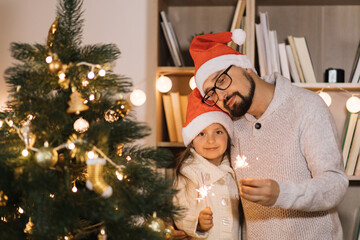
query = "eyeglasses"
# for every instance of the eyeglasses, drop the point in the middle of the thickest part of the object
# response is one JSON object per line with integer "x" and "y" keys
{"x": 222, "y": 83}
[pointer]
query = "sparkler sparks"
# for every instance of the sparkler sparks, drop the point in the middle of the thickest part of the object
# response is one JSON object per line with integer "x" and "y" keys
{"x": 240, "y": 162}
{"x": 203, "y": 191}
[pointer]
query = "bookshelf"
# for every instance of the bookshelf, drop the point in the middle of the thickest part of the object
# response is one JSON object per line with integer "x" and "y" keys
{"x": 332, "y": 29}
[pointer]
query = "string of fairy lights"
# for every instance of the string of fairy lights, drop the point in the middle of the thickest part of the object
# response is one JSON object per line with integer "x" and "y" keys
{"x": 164, "y": 85}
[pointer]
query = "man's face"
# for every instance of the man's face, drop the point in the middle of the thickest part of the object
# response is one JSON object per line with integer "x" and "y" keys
{"x": 238, "y": 98}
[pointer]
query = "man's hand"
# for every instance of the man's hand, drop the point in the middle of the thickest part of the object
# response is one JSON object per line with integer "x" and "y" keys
{"x": 261, "y": 191}
{"x": 205, "y": 220}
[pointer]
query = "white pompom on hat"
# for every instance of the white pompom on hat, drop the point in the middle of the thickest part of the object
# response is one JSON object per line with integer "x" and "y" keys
{"x": 199, "y": 116}
{"x": 210, "y": 54}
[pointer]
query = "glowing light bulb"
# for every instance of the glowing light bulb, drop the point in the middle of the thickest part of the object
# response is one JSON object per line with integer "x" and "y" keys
{"x": 119, "y": 175}
{"x": 192, "y": 83}
{"x": 91, "y": 97}
{"x": 74, "y": 188}
{"x": 25, "y": 153}
{"x": 163, "y": 84}
{"x": 51, "y": 195}
{"x": 71, "y": 146}
{"x": 353, "y": 104}
{"x": 1, "y": 123}
{"x": 91, "y": 155}
{"x": 48, "y": 59}
{"x": 91, "y": 75}
{"x": 138, "y": 97}
{"x": 102, "y": 72}
{"x": 128, "y": 158}
{"x": 62, "y": 76}
{"x": 20, "y": 210}
{"x": 326, "y": 97}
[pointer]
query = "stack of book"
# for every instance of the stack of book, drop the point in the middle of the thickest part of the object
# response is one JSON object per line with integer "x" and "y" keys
{"x": 355, "y": 72}
{"x": 175, "y": 106}
{"x": 351, "y": 145}
{"x": 292, "y": 60}
{"x": 171, "y": 40}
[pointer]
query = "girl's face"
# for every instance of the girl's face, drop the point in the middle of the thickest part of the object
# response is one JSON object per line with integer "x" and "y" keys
{"x": 211, "y": 143}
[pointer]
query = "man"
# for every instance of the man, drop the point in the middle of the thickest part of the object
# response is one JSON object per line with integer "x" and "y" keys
{"x": 293, "y": 178}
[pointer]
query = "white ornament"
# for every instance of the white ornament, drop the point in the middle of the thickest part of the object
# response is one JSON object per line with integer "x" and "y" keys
{"x": 81, "y": 125}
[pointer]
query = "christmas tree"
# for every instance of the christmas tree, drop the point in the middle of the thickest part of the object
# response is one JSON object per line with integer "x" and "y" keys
{"x": 70, "y": 164}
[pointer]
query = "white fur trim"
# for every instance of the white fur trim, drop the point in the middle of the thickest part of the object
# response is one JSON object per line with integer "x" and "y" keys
{"x": 96, "y": 161}
{"x": 89, "y": 185}
{"x": 217, "y": 64}
{"x": 108, "y": 192}
{"x": 238, "y": 36}
{"x": 204, "y": 120}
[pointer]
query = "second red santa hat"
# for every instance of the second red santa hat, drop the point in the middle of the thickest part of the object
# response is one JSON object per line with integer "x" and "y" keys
{"x": 199, "y": 116}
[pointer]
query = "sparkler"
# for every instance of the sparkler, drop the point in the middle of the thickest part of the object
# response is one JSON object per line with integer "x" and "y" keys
{"x": 203, "y": 190}
{"x": 240, "y": 162}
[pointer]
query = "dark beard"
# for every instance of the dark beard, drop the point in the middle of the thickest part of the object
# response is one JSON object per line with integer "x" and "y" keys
{"x": 241, "y": 108}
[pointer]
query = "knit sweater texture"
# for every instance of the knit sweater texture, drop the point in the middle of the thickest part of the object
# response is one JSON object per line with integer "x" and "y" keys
{"x": 297, "y": 146}
{"x": 223, "y": 198}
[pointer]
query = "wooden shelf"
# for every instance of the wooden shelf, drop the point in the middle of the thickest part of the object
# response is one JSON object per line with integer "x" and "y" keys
{"x": 171, "y": 144}
{"x": 306, "y": 2}
{"x": 330, "y": 86}
{"x": 354, "y": 178}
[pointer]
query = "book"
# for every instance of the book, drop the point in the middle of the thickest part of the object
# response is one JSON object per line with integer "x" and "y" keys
{"x": 355, "y": 65}
{"x": 303, "y": 52}
{"x": 293, "y": 71}
{"x": 284, "y": 64}
{"x": 171, "y": 39}
{"x": 183, "y": 105}
{"x": 169, "y": 117}
{"x": 172, "y": 53}
{"x": 250, "y": 30}
{"x": 296, "y": 58}
{"x": 264, "y": 23}
{"x": 357, "y": 168}
{"x": 177, "y": 45}
{"x": 175, "y": 100}
{"x": 274, "y": 51}
{"x": 354, "y": 151}
{"x": 261, "y": 50}
{"x": 348, "y": 135}
{"x": 356, "y": 76}
{"x": 237, "y": 19}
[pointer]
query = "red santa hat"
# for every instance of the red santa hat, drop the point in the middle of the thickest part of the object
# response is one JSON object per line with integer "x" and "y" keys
{"x": 210, "y": 54}
{"x": 200, "y": 115}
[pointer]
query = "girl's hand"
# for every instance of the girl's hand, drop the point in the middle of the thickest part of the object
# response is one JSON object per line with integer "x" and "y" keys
{"x": 205, "y": 221}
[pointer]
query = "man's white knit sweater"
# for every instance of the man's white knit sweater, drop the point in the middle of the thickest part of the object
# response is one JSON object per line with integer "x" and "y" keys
{"x": 294, "y": 143}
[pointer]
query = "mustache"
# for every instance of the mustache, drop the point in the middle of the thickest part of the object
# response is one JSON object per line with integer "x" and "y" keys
{"x": 233, "y": 94}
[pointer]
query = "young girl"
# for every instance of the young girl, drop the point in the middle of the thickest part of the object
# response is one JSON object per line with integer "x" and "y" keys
{"x": 205, "y": 162}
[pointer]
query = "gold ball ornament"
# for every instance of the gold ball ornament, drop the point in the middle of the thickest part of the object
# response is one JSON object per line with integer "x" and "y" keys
{"x": 46, "y": 157}
{"x": 55, "y": 66}
{"x": 169, "y": 232}
{"x": 122, "y": 107}
{"x": 156, "y": 224}
{"x": 3, "y": 199}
